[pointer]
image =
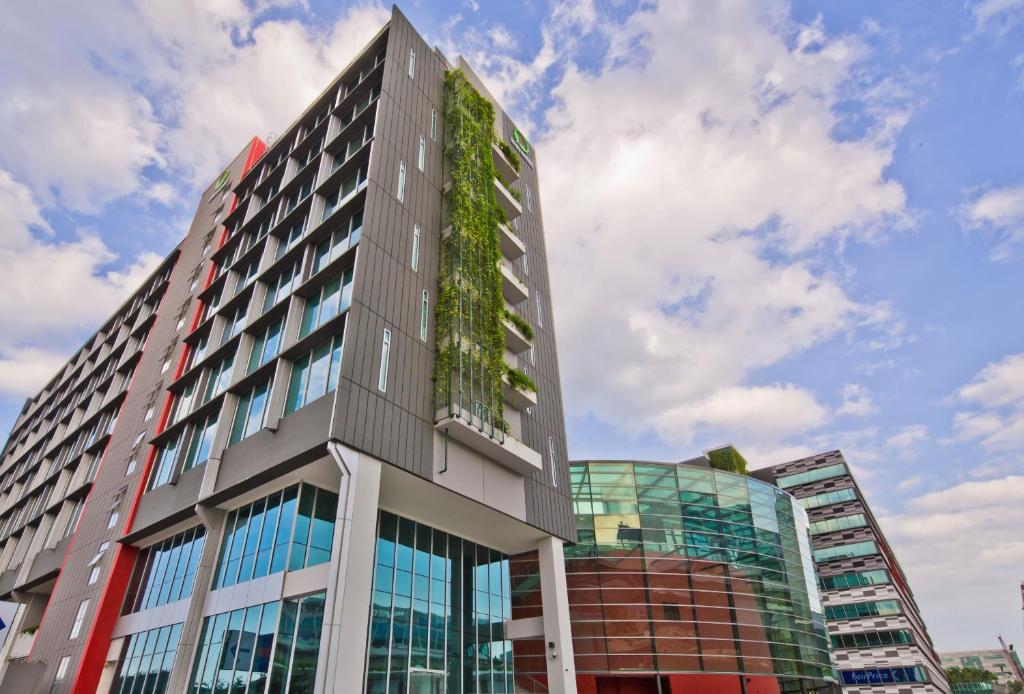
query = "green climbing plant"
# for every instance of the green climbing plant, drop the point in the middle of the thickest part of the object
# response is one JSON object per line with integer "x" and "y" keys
{"x": 522, "y": 325}
{"x": 729, "y": 459}
{"x": 520, "y": 381}
{"x": 469, "y": 362}
{"x": 511, "y": 155}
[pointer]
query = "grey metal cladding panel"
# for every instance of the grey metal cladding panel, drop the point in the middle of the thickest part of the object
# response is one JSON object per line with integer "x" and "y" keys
{"x": 300, "y": 440}
{"x": 72, "y": 586}
{"x": 167, "y": 504}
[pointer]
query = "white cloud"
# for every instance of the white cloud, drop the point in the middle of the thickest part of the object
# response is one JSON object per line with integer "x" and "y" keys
{"x": 997, "y": 396}
{"x": 722, "y": 189}
{"x": 966, "y": 535}
{"x": 857, "y": 401}
{"x": 987, "y": 11}
{"x": 40, "y": 319}
{"x": 114, "y": 98}
{"x": 999, "y": 212}
{"x": 907, "y": 440}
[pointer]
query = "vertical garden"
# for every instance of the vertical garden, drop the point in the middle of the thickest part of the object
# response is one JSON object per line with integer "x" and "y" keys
{"x": 470, "y": 336}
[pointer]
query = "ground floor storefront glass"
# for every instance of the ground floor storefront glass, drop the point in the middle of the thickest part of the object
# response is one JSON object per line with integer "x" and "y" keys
{"x": 439, "y": 607}
{"x": 270, "y": 648}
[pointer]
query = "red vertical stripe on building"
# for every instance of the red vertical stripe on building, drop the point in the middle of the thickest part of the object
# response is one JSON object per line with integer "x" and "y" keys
{"x": 97, "y": 644}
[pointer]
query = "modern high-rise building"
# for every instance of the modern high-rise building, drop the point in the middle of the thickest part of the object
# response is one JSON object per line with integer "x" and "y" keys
{"x": 299, "y": 457}
{"x": 879, "y": 640}
{"x": 686, "y": 580}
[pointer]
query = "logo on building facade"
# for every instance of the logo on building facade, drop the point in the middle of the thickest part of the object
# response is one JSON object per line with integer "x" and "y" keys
{"x": 520, "y": 142}
{"x": 222, "y": 180}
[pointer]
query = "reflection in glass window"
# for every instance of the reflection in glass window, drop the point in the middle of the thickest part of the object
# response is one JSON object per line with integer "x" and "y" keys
{"x": 282, "y": 285}
{"x": 250, "y": 412}
{"x": 289, "y": 530}
{"x": 343, "y": 238}
{"x": 165, "y": 572}
{"x": 439, "y": 603}
{"x": 330, "y": 300}
{"x": 146, "y": 661}
{"x": 352, "y": 185}
{"x": 276, "y": 643}
{"x": 265, "y": 346}
{"x": 314, "y": 374}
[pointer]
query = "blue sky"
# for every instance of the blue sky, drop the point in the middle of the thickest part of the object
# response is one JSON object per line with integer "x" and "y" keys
{"x": 792, "y": 226}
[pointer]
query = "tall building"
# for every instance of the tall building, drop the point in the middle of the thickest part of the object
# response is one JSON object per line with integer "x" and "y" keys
{"x": 299, "y": 457}
{"x": 880, "y": 642}
{"x": 1004, "y": 663}
{"x": 686, "y": 580}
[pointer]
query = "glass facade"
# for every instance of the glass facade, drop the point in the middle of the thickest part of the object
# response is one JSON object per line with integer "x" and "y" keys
{"x": 685, "y": 569}
{"x": 314, "y": 374}
{"x": 813, "y": 475}
{"x": 439, "y": 607}
{"x": 270, "y": 648}
{"x": 289, "y": 530}
{"x": 872, "y": 639}
{"x": 854, "y": 549}
{"x": 856, "y": 610}
{"x": 875, "y": 577}
{"x": 146, "y": 661}
{"x": 885, "y": 675}
{"x": 166, "y": 571}
{"x": 828, "y": 498}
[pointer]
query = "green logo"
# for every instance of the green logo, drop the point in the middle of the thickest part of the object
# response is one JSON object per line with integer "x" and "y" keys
{"x": 520, "y": 142}
{"x": 222, "y": 180}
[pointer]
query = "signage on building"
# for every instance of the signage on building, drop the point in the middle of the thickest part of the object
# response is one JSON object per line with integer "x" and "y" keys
{"x": 520, "y": 142}
{"x": 222, "y": 180}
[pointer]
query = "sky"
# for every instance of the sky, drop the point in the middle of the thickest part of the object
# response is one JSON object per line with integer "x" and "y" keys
{"x": 792, "y": 226}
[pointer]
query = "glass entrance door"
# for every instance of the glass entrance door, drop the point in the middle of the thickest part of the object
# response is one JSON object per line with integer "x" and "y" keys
{"x": 426, "y": 682}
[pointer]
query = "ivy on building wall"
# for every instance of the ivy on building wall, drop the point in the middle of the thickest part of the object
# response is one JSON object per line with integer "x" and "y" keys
{"x": 469, "y": 361}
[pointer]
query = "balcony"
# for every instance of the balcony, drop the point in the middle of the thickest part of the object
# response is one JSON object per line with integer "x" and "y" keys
{"x": 512, "y": 287}
{"x": 506, "y": 451}
{"x": 512, "y": 247}
{"x": 515, "y": 341}
{"x": 503, "y": 165}
{"x": 506, "y": 200}
{"x": 519, "y": 399}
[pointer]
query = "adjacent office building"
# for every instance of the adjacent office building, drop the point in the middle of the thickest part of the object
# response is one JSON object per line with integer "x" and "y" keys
{"x": 879, "y": 640}
{"x": 686, "y": 580}
{"x": 300, "y": 456}
{"x": 1004, "y": 662}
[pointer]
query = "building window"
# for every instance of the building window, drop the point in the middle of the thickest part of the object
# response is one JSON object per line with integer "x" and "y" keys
{"x": 288, "y": 241}
{"x": 76, "y": 512}
{"x": 165, "y": 572}
{"x": 112, "y": 521}
{"x": 220, "y": 376}
{"x": 415, "y": 247}
{"x": 62, "y": 669}
{"x": 265, "y": 345}
{"x": 424, "y": 314}
{"x": 529, "y": 198}
{"x": 412, "y": 63}
{"x": 289, "y": 530}
{"x": 343, "y": 238}
{"x": 813, "y": 475}
{"x": 94, "y": 575}
{"x": 314, "y": 374}
{"x": 282, "y": 285}
{"x": 828, "y": 498}
{"x": 421, "y": 155}
{"x": 332, "y": 299}
{"x": 146, "y": 660}
{"x": 235, "y": 322}
{"x": 551, "y": 460}
{"x": 433, "y": 124}
{"x": 854, "y": 549}
{"x": 401, "y": 181}
{"x": 352, "y": 185}
{"x": 385, "y": 355}
{"x": 859, "y": 610}
{"x": 243, "y": 645}
{"x": 251, "y": 412}
{"x": 130, "y": 468}
{"x": 540, "y": 310}
{"x": 76, "y": 627}
{"x": 186, "y": 451}
{"x": 417, "y": 572}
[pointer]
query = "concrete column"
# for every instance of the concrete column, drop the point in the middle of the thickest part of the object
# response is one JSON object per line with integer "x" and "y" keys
{"x": 213, "y": 520}
{"x": 342, "y": 660}
{"x": 557, "y": 630}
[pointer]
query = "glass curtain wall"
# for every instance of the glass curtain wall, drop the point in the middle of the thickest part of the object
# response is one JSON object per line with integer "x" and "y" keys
{"x": 684, "y": 569}
{"x": 146, "y": 661}
{"x": 439, "y": 607}
{"x": 262, "y": 649}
